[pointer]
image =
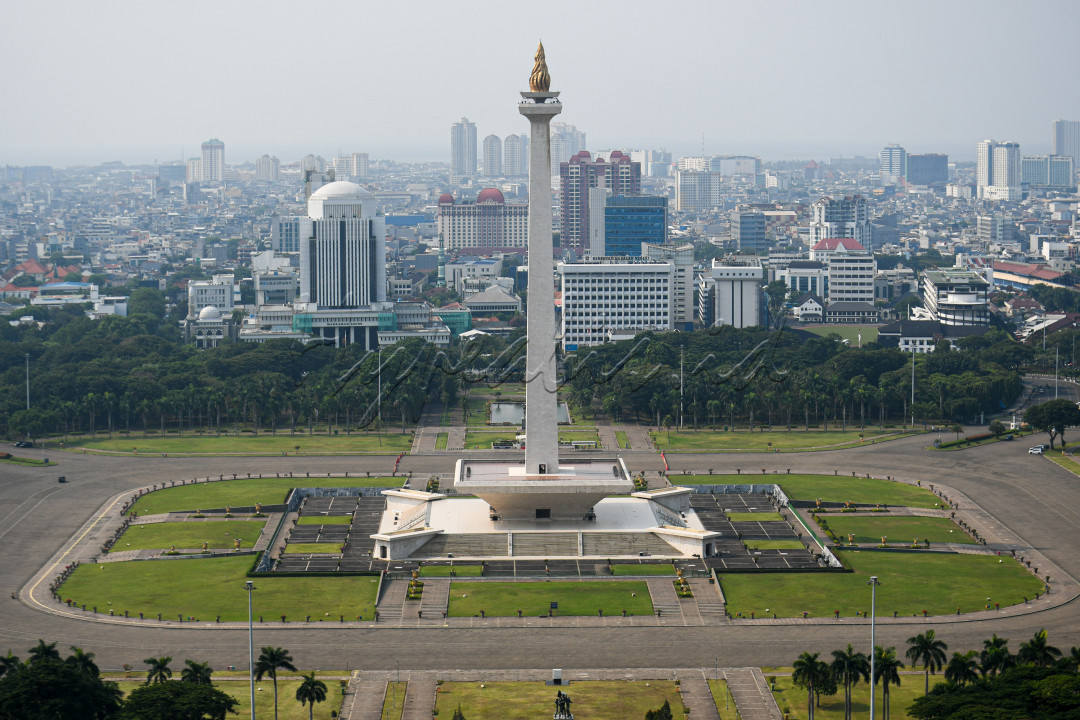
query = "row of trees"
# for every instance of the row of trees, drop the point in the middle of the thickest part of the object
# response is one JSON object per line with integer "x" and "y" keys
{"x": 967, "y": 675}
{"x": 48, "y": 686}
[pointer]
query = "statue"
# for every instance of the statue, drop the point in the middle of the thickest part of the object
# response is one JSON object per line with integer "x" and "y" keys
{"x": 539, "y": 80}
{"x": 562, "y": 705}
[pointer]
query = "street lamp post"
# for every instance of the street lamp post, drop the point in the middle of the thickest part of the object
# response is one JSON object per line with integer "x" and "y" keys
{"x": 27, "y": 381}
{"x": 250, "y": 587}
{"x": 873, "y": 583}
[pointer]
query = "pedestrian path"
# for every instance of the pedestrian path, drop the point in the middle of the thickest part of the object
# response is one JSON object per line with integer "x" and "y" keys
{"x": 753, "y": 699}
{"x": 697, "y": 696}
{"x": 665, "y": 600}
{"x": 392, "y": 600}
{"x": 419, "y": 699}
{"x": 365, "y": 699}
{"x": 436, "y": 598}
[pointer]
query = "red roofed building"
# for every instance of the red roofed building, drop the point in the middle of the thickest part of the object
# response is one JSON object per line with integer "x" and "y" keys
{"x": 485, "y": 227}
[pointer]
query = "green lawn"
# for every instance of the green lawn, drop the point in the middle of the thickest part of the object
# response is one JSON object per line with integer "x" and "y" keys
{"x": 482, "y": 440}
{"x": 910, "y": 582}
{"x": 264, "y": 444}
{"x": 440, "y": 441}
{"x": 504, "y": 389}
{"x": 394, "y": 700}
{"x": 580, "y": 435}
{"x": 793, "y": 698}
{"x": 848, "y": 332}
{"x": 897, "y": 529}
{"x": 289, "y": 707}
{"x": 774, "y": 545}
{"x": 633, "y": 569}
{"x": 595, "y": 700}
{"x": 620, "y": 437}
{"x": 725, "y": 703}
{"x": 827, "y": 488}
{"x": 243, "y": 492}
{"x": 207, "y": 587}
{"x": 324, "y": 520}
{"x": 504, "y": 599}
{"x": 444, "y": 570}
{"x": 318, "y": 548}
{"x": 218, "y": 534}
{"x": 785, "y": 441}
{"x": 754, "y": 516}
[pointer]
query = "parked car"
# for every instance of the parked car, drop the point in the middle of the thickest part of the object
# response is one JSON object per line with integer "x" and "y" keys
{"x": 1037, "y": 450}
{"x": 24, "y": 444}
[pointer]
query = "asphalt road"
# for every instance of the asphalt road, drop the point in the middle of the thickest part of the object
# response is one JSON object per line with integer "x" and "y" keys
{"x": 1031, "y": 495}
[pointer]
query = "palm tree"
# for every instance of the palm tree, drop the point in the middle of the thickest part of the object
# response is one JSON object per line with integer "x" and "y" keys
{"x": 83, "y": 662}
{"x": 887, "y": 667}
{"x": 9, "y": 664}
{"x": 849, "y": 667}
{"x": 808, "y": 672}
{"x": 272, "y": 659}
{"x": 1037, "y": 652}
{"x": 43, "y": 651}
{"x": 310, "y": 692}
{"x": 995, "y": 656}
{"x": 962, "y": 669}
{"x": 196, "y": 672}
{"x": 159, "y": 671}
{"x": 928, "y": 651}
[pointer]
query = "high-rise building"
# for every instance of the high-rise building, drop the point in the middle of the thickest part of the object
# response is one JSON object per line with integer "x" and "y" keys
{"x": 1047, "y": 171}
{"x": 681, "y": 258}
{"x": 566, "y": 142}
{"x": 619, "y": 174}
{"x": 493, "y": 156}
{"x": 729, "y": 293}
{"x": 997, "y": 171}
{"x": 213, "y": 161}
{"x": 489, "y": 225}
{"x": 313, "y": 163}
{"x": 620, "y": 224}
{"x": 516, "y": 155}
{"x": 927, "y": 169}
{"x": 748, "y": 230}
{"x": 268, "y": 168}
{"x": 841, "y": 217}
{"x": 285, "y": 234}
{"x": 462, "y": 150}
{"x": 1067, "y": 139}
{"x": 608, "y": 299}
{"x": 698, "y": 190}
{"x": 358, "y": 165}
{"x": 893, "y": 165}
{"x": 193, "y": 170}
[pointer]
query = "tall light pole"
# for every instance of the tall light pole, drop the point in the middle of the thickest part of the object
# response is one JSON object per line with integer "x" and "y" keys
{"x": 250, "y": 587}
{"x": 27, "y": 381}
{"x": 873, "y": 583}
{"x": 380, "y": 386}
{"x": 913, "y": 388}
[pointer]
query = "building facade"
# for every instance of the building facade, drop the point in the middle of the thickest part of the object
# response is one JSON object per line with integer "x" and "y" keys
{"x": 462, "y": 150}
{"x": 516, "y": 155}
{"x": 893, "y": 165}
{"x": 213, "y": 161}
{"x": 618, "y": 173}
{"x": 956, "y": 297}
{"x": 840, "y": 217}
{"x": 612, "y": 298}
{"x": 681, "y": 258}
{"x": 268, "y": 169}
{"x": 1048, "y": 171}
{"x": 748, "y": 230}
{"x": 698, "y": 190}
{"x": 929, "y": 169}
{"x": 998, "y": 171}
{"x": 493, "y": 165}
{"x": 488, "y": 225}
{"x": 619, "y": 224}
{"x": 729, "y": 293}
{"x": 1067, "y": 139}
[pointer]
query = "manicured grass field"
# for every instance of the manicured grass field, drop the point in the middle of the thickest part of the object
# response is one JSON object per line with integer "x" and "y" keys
{"x": 632, "y": 569}
{"x": 440, "y": 441}
{"x": 580, "y": 435}
{"x": 263, "y": 444}
{"x": 897, "y": 529}
{"x": 394, "y": 700}
{"x": 324, "y": 520}
{"x": 504, "y": 389}
{"x": 289, "y": 707}
{"x": 444, "y": 570}
{"x": 827, "y": 488}
{"x": 620, "y": 437}
{"x": 504, "y": 599}
{"x": 754, "y": 516}
{"x": 774, "y": 544}
{"x": 318, "y": 548}
{"x": 218, "y": 534}
{"x": 725, "y": 703}
{"x": 832, "y": 706}
{"x": 204, "y": 588}
{"x": 796, "y": 439}
{"x": 596, "y": 700}
{"x": 848, "y": 332}
{"x": 243, "y": 492}
{"x": 910, "y": 583}
{"x": 482, "y": 440}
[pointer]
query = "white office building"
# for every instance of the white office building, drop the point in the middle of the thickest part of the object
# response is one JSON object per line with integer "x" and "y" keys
{"x": 729, "y": 293}
{"x": 608, "y": 299}
{"x": 840, "y": 217}
{"x": 956, "y": 296}
{"x": 698, "y": 190}
{"x": 268, "y": 168}
{"x": 893, "y": 160}
{"x": 493, "y": 156}
{"x": 998, "y": 171}
{"x": 1067, "y": 139}
{"x": 681, "y": 258}
{"x": 516, "y": 155}
{"x": 462, "y": 150}
{"x": 213, "y": 161}
{"x": 221, "y": 292}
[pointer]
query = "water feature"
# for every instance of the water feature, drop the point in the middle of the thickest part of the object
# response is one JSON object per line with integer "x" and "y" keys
{"x": 512, "y": 413}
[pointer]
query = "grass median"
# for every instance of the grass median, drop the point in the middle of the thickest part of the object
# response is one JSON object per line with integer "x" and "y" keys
{"x": 896, "y": 529}
{"x": 218, "y": 534}
{"x": 770, "y": 440}
{"x": 504, "y": 599}
{"x": 827, "y": 488}
{"x": 205, "y": 588}
{"x": 244, "y": 444}
{"x": 596, "y": 700}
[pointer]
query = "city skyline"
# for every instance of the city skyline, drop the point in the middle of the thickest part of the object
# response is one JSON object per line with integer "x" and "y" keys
{"x": 127, "y": 83}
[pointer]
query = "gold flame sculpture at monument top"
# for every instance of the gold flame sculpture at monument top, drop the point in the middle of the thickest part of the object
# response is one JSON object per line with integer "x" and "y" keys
{"x": 540, "y": 81}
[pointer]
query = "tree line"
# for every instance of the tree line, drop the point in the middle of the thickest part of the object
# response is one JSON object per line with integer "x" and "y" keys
{"x": 1038, "y": 682}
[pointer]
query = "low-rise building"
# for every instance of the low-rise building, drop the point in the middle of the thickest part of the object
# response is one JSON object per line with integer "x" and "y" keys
{"x": 614, "y": 295}
{"x": 956, "y": 296}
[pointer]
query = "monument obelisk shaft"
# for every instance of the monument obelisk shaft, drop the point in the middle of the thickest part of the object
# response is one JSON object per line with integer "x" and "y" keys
{"x": 539, "y": 105}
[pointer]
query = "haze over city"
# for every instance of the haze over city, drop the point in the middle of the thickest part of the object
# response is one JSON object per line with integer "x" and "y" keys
{"x": 137, "y": 82}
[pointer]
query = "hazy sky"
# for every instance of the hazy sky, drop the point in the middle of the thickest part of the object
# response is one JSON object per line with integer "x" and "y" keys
{"x": 85, "y": 82}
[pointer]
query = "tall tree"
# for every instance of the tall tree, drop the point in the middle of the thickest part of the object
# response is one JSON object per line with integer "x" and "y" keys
{"x": 178, "y": 701}
{"x": 809, "y": 672}
{"x": 887, "y": 667}
{"x": 159, "y": 671}
{"x": 43, "y": 651}
{"x": 272, "y": 659}
{"x": 83, "y": 662}
{"x": 926, "y": 650}
{"x": 51, "y": 688}
{"x": 849, "y": 667}
{"x": 197, "y": 672}
{"x": 1053, "y": 417}
{"x": 962, "y": 669}
{"x": 1037, "y": 651}
{"x": 311, "y": 691}
{"x": 995, "y": 656}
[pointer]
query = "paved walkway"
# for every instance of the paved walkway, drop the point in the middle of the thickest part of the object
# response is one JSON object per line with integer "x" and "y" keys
{"x": 420, "y": 699}
{"x": 697, "y": 696}
{"x": 364, "y": 700}
{"x": 753, "y": 699}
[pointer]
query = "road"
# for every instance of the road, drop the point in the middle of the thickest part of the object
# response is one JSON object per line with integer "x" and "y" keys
{"x": 1035, "y": 498}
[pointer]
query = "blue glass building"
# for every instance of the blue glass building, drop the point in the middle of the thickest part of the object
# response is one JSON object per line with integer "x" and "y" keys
{"x": 630, "y": 220}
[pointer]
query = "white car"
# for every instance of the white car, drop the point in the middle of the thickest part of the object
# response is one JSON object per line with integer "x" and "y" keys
{"x": 1037, "y": 450}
